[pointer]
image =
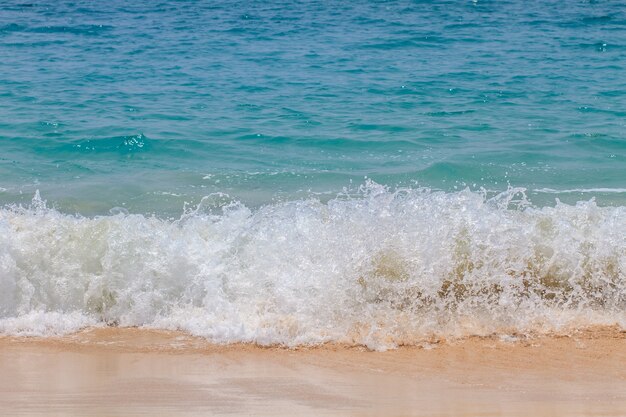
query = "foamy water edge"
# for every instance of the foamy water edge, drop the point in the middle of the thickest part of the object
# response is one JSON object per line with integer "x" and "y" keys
{"x": 383, "y": 269}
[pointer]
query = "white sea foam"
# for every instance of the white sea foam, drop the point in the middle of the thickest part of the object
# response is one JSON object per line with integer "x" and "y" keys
{"x": 42, "y": 323}
{"x": 581, "y": 190}
{"x": 382, "y": 269}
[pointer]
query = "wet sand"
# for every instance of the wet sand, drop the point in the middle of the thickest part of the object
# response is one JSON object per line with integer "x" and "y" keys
{"x": 132, "y": 372}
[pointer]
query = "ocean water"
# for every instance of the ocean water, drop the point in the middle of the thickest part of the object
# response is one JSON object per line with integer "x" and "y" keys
{"x": 376, "y": 173}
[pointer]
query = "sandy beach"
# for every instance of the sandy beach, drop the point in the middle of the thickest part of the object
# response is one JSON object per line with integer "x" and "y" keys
{"x": 312, "y": 208}
{"x": 131, "y": 372}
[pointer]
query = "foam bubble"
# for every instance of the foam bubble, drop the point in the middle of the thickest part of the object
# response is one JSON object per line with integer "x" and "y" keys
{"x": 381, "y": 269}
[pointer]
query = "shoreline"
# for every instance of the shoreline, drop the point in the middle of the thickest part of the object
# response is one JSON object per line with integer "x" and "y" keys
{"x": 130, "y": 372}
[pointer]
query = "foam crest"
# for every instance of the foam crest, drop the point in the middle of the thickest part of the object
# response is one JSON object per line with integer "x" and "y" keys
{"x": 382, "y": 269}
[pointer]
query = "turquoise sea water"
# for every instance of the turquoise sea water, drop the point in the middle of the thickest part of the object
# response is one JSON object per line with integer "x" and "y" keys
{"x": 148, "y": 105}
{"x": 303, "y": 172}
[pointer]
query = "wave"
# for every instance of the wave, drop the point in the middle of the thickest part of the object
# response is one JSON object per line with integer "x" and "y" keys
{"x": 381, "y": 269}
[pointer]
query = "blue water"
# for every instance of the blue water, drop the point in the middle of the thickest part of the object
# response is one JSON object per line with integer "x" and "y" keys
{"x": 367, "y": 173}
{"x": 148, "y": 105}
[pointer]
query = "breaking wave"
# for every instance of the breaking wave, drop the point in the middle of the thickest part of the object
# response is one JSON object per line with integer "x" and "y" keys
{"x": 381, "y": 269}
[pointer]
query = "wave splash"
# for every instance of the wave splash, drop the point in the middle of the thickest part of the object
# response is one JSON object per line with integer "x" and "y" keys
{"x": 382, "y": 269}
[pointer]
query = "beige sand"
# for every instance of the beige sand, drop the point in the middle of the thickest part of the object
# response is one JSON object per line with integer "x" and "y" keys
{"x": 131, "y": 372}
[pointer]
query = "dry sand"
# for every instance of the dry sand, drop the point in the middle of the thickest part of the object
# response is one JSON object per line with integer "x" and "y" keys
{"x": 131, "y": 372}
